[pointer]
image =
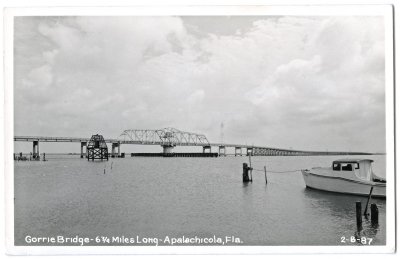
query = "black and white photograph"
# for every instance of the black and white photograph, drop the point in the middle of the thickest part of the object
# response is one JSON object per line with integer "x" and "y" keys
{"x": 221, "y": 129}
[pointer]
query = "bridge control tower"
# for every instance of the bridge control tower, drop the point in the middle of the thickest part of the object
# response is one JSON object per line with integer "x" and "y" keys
{"x": 97, "y": 148}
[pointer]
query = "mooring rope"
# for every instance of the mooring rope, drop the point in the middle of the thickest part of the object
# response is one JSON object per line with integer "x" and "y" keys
{"x": 268, "y": 171}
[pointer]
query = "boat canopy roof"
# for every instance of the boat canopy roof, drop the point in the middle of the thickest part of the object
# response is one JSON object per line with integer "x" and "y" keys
{"x": 353, "y": 160}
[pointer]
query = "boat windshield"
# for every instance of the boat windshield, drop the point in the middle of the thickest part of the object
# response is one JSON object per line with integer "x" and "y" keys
{"x": 336, "y": 166}
{"x": 347, "y": 167}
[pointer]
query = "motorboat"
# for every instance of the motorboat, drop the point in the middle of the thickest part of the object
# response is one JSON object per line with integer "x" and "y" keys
{"x": 348, "y": 176}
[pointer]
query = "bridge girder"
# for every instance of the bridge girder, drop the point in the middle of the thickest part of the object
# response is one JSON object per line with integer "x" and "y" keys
{"x": 164, "y": 137}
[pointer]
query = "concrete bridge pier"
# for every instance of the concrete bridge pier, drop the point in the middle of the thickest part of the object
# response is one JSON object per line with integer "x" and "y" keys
{"x": 83, "y": 144}
{"x": 113, "y": 146}
{"x": 207, "y": 148}
{"x": 35, "y": 151}
{"x": 238, "y": 151}
{"x": 249, "y": 151}
{"x": 167, "y": 149}
{"x": 221, "y": 151}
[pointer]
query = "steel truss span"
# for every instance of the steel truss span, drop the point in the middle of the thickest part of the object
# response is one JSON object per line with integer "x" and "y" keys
{"x": 164, "y": 137}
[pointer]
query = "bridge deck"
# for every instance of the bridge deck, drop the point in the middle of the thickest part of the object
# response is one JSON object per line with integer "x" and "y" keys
{"x": 258, "y": 149}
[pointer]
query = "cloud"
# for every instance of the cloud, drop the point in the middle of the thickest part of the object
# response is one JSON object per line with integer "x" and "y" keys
{"x": 302, "y": 82}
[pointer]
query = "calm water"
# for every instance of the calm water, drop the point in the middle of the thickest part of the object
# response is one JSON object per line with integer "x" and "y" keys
{"x": 158, "y": 197}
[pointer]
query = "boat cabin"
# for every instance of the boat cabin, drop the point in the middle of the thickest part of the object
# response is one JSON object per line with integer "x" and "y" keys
{"x": 362, "y": 168}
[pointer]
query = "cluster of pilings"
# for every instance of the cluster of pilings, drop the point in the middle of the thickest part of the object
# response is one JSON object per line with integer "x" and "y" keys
{"x": 20, "y": 157}
{"x": 374, "y": 215}
{"x": 34, "y": 155}
{"x": 35, "y": 152}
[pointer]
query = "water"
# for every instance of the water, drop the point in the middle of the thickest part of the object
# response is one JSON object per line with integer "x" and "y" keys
{"x": 175, "y": 197}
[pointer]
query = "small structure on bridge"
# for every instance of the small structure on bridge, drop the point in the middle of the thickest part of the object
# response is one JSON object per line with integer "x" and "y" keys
{"x": 97, "y": 148}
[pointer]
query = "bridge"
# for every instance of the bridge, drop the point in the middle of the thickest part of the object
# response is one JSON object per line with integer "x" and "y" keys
{"x": 168, "y": 138}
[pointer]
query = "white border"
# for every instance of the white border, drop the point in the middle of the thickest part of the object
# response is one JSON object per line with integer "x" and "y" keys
{"x": 382, "y": 10}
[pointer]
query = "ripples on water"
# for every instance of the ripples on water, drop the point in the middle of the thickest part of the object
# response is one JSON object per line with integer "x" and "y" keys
{"x": 156, "y": 197}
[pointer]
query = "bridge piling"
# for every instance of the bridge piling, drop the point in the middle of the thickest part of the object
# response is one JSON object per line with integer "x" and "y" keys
{"x": 221, "y": 151}
{"x": 113, "y": 146}
{"x": 167, "y": 149}
{"x": 35, "y": 152}
{"x": 238, "y": 151}
{"x": 207, "y": 148}
{"x": 83, "y": 144}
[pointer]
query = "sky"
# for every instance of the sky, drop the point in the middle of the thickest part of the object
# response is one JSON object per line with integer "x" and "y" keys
{"x": 307, "y": 83}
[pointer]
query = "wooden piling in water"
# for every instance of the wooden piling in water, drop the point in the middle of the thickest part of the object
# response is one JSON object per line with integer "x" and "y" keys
{"x": 374, "y": 214}
{"x": 358, "y": 215}
{"x": 265, "y": 173}
{"x": 245, "y": 173}
{"x": 250, "y": 169}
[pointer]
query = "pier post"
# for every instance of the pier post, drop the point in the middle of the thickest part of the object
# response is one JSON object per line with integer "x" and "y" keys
{"x": 374, "y": 215}
{"x": 83, "y": 144}
{"x": 119, "y": 149}
{"x": 246, "y": 169}
{"x": 358, "y": 215}
{"x": 265, "y": 173}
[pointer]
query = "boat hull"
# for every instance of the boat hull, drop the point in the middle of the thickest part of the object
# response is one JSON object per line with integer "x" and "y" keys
{"x": 342, "y": 185}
